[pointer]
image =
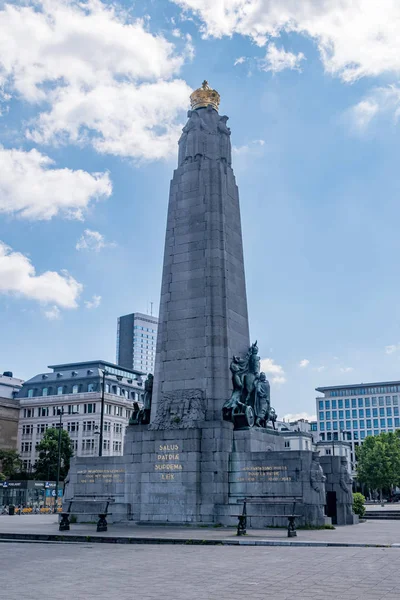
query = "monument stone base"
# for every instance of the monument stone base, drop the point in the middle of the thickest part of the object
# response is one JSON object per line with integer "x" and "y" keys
{"x": 201, "y": 476}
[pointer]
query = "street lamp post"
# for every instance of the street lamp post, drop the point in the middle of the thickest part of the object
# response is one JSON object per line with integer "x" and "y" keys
{"x": 102, "y": 414}
{"x": 60, "y": 412}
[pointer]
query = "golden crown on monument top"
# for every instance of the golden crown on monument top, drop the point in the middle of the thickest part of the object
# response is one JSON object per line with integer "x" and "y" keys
{"x": 204, "y": 96}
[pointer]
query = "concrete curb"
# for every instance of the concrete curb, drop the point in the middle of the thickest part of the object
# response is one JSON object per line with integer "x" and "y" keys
{"x": 97, "y": 539}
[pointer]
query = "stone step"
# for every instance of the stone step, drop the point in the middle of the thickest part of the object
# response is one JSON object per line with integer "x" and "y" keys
{"x": 393, "y": 515}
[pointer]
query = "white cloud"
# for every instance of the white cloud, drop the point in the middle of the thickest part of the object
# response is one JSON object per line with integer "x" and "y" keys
{"x": 31, "y": 188}
{"x": 100, "y": 76}
{"x": 277, "y": 60}
{"x": 92, "y": 240}
{"x": 319, "y": 369}
{"x": 392, "y": 348}
{"x": 355, "y": 38}
{"x": 379, "y": 101}
{"x": 364, "y": 112}
{"x": 304, "y": 363}
{"x": 94, "y": 302}
{"x": 253, "y": 148}
{"x": 52, "y": 313}
{"x": 239, "y": 61}
{"x": 18, "y": 277}
{"x": 298, "y": 416}
{"x": 276, "y": 372}
{"x": 346, "y": 369}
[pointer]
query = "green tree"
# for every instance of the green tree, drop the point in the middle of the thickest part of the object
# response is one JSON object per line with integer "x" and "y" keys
{"x": 10, "y": 463}
{"x": 46, "y": 465}
{"x": 378, "y": 461}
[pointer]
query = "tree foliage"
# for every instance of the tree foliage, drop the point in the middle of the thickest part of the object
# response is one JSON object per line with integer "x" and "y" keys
{"x": 378, "y": 461}
{"x": 10, "y": 463}
{"x": 359, "y": 504}
{"x": 46, "y": 465}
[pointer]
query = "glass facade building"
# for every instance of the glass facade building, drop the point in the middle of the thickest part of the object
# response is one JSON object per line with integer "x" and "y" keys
{"x": 353, "y": 412}
{"x": 136, "y": 342}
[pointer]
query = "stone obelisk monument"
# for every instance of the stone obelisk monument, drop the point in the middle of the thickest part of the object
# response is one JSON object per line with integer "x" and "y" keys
{"x": 201, "y": 442}
{"x": 203, "y": 318}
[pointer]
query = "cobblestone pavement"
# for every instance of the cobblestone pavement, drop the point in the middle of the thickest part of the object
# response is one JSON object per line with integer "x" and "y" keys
{"x": 92, "y": 572}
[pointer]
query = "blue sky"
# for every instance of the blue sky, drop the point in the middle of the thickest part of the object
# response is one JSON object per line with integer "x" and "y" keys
{"x": 92, "y": 99}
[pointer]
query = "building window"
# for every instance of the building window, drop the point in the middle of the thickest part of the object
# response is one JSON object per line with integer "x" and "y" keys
{"x": 30, "y": 393}
{"x": 107, "y": 390}
{"x": 381, "y": 412}
{"x": 72, "y": 427}
{"x": 287, "y": 444}
{"x": 362, "y": 424}
{"x": 361, "y": 413}
{"x": 387, "y": 400}
{"x": 28, "y": 413}
{"x": 383, "y": 422}
{"x": 381, "y": 401}
{"x": 59, "y": 390}
{"x": 117, "y": 446}
{"x": 90, "y": 387}
{"x": 347, "y": 403}
{"x": 334, "y": 414}
{"x": 328, "y": 451}
{"x": 353, "y": 403}
{"x": 106, "y": 444}
{"x": 88, "y": 445}
{"x": 390, "y": 422}
{"x": 328, "y": 414}
{"x": 355, "y": 424}
{"x": 367, "y": 402}
{"x": 118, "y": 428}
{"x": 108, "y": 409}
{"x": 328, "y": 426}
{"x": 347, "y": 414}
{"x": 334, "y": 405}
{"x": 395, "y": 400}
{"x": 368, "y": 412}
{"x": 389, "y": 411}
{"x": 89, "y": 426}
{"x": 354, "y": 414}
{"x": 374, "y": 401}
{"x": 374, "y": 412}
{"x": 360, "y": 402}
{"x": 43, "y": 411}
{"x": 321, "y": 426}
{"x": 44, "y": 392}
{"x": 89, "y": 408}
{"x": 118, "y": 411}
{"x": 376, "y": 424}
{"x": 369, "y": 424}
{"x": 327, "y": 404}
{"x": 397, "y": 422}
{"x": 75, "y": 389}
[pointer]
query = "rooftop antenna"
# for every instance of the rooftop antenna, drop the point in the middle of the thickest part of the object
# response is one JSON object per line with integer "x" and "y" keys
{"x": 151, "y": 308}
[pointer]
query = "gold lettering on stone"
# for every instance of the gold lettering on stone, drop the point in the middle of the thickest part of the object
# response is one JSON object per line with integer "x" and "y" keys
{"x": 264, "y": 473}
{"x": 167, "y": 459}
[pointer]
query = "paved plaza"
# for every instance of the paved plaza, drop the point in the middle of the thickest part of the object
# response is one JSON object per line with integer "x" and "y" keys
{"x": 386, "y": 533}
{"x": 104, "y": 572}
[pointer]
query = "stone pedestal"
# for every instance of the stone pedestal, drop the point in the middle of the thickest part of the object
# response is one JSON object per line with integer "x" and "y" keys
{"x": 339, "y": 490}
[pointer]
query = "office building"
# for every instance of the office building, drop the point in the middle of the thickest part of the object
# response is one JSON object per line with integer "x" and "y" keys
{"x": 76, "y": 390}
{"x": 136, "y": 342}
{"x": 9, "y": 410}
{"x": 353, "y": 412}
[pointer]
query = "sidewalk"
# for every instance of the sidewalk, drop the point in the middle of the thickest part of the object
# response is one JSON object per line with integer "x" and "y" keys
{"x": 45, "y": 528}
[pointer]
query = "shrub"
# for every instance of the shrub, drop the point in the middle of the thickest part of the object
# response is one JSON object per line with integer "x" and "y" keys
{"x": 358, "y": 504}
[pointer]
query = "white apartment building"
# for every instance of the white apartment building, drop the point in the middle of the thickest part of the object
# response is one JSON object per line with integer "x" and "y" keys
{"x": 77, "y": 390}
